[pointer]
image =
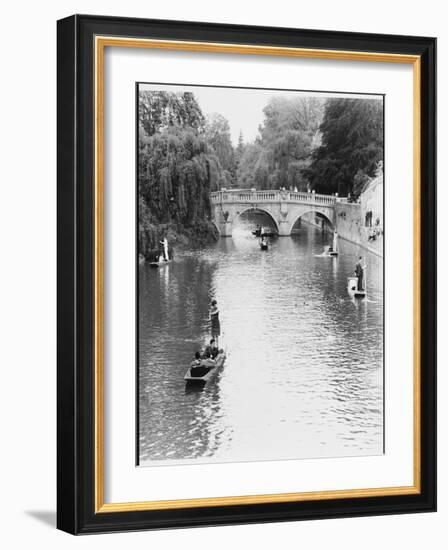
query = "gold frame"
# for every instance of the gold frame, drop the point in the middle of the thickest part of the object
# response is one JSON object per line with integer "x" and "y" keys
{"x": 101, "y": 42}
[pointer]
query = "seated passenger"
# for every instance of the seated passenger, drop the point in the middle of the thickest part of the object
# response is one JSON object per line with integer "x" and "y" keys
{"x": 196, "y": 361}
{"x": 208, "y": 360}
{"x": 215, "y": 351}
{"x": 211, "y": 350}
{"x": 199, "y": 367}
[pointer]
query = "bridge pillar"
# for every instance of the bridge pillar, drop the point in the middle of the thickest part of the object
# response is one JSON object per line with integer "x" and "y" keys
{"x": 284, "y": 225}
{"x": 284, "y": 228}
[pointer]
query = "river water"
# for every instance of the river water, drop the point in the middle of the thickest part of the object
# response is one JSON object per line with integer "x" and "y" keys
{"x": 303, "y": 376}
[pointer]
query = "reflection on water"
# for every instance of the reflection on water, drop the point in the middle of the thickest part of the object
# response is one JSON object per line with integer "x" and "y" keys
{"x": 304, "y": 369}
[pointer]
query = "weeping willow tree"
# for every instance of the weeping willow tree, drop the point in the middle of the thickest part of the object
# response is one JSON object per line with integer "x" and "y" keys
{"x": 177, "y": 170}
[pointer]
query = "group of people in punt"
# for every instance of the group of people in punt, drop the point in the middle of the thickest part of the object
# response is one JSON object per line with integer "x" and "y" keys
{"x": 205, "y": 361}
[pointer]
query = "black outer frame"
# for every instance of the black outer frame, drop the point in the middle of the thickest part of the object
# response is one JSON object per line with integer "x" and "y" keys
{"x": 75, "y": 309}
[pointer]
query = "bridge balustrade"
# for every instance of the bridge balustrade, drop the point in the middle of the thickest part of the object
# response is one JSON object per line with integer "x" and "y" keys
{"x": 249, "y": 196}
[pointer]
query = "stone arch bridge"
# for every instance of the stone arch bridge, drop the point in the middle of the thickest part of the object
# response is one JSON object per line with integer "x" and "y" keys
{"x": 284, "y": 207}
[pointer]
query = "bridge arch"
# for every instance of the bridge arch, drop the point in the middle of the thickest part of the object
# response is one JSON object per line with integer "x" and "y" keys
{"x": 257, "y": 209}
{"x": 313, "y": 211}
{"x": 283, "y": 208}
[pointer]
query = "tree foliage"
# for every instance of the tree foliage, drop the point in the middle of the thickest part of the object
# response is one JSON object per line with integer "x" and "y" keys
{"x": 239, "y": 150}
{"x": 352, "y": 146}
{"x": 177, "y": 169}
{"x": 282, "y": 152}
{"x": 160, "y": 110}
{"x": 217, "y": 134}
{"x": 253, "y": 168}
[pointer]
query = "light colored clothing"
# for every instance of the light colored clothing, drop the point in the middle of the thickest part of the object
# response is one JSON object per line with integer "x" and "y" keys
{"x": 165, "y": 249}
{"x": 209, "y": 362}
{"x": 335, "y": 242}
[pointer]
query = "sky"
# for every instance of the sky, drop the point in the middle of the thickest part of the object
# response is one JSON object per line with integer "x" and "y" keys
{"x": 243, "y": 108}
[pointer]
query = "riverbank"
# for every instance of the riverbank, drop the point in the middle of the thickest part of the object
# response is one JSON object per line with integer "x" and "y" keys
{"x": 361, "y": 223}
{"x": 350, "y": 226}
{"x": 179, "y": 236}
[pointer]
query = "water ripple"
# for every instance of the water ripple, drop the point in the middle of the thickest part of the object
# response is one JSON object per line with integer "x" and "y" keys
{"x": 304, "y": 373}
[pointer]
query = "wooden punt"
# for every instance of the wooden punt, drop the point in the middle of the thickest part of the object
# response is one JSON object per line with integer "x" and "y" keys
{"x": 160, "y": 263}
{"x": 207, "y": 376}
{"x": 352, "y": 287}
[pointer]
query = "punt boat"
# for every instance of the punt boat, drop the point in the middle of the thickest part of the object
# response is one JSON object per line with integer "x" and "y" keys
{"x": 327, "y": 253}
{"x": 160, "y": 263}
{"x": 220, "y": 359}
{"x": 352, "y": 287}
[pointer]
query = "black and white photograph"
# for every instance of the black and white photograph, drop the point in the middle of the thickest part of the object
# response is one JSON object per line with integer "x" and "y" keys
{"x": 220, "y": 266}
{"x": 260, "y": 274}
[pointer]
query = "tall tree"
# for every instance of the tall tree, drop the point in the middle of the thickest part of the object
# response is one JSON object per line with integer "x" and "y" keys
{"x": 253, "y": 168}
{"x": 239, "y": 148}
{"x": 352, "y": 145}
{"x": 283, "y": 150}
{"x": 217, "y": 134}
